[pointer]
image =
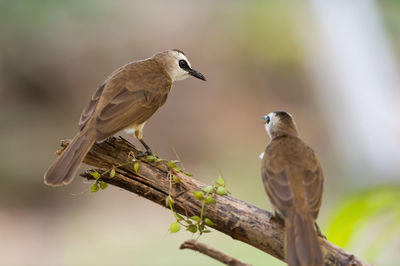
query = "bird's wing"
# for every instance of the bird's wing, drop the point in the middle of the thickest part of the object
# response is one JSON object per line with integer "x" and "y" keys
{"x": 133, "y": 97}
{"x": 313, "y": 180}
{"x": 89, "y": 109}
{"x": 127, "y": 108}
{"x": 277, "y": 174}
{"x": 277, "y": 187}
{"x": 128, "y": 97}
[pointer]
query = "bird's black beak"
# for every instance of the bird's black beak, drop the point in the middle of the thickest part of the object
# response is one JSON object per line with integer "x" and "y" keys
{"x": 196, "y": 74}
{"x": 266, "y": 119}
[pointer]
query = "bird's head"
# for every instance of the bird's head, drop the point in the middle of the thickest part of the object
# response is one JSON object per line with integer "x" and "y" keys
{"x": 280, "y": 123}
{"x": 177, "y": 65}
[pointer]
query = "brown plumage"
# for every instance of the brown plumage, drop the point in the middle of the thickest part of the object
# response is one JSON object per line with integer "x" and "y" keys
{"x": 126, "y": 100}
{"x": 293, "y": 180}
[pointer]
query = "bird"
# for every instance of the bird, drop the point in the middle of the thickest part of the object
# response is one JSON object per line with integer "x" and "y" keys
{"x": 293, "y": 180}
{"x": 125, "y": 101}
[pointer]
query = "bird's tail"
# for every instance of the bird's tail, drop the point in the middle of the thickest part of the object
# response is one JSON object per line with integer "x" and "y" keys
{"x": 302, "y": 246}
{"x": 63, "y": 170}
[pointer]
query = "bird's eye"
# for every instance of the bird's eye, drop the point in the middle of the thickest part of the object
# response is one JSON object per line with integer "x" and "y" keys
{"x": 183, "y": 64}
{"x": 267, "y": 119}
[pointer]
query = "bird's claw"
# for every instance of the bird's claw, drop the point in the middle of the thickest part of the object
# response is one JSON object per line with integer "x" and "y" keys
{"x": 142, "y": 154}
{"x": 110, "y": 139}
{"x": 278, "y": 216}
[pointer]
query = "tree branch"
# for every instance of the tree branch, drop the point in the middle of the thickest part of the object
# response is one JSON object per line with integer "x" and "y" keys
{"x": 211, "y": 252}
{"x": 236, "y": 218}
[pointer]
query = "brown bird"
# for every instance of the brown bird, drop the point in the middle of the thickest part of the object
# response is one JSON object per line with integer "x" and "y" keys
{"x": 293, "y": 180}
{"x": 126, "y": 100}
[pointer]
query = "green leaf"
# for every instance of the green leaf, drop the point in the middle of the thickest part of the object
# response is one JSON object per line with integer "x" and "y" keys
{"x": 209, "y": 200}
{"x": 95, "y": 187}
{"x": 195, "y": 218}
{"x": 201, "y": 227}
{"x": 220, "y": 181}
{"x": 172, "y": 164}
{"x": 176, "y": 179}
{"x": 112, "y": 173}
{"x": 192, "y": 228}
{"x": 209, "y": 222}
{"x": 136, "y": 167}
{"x": 151, "y": 158}
{"x": 159, "y": 160}
{"x": 221, "y": 191}
{"x": 180, "y": 218}
{"x": 95, "y": 175}
{"x": 206, "y": 231}
{"x": 187, "y": 174}
{"x": 208, "y": 189}
{"x": 103, "y": 185}
{"x": 175, "y": 227}
{"x": 199, "y": 195}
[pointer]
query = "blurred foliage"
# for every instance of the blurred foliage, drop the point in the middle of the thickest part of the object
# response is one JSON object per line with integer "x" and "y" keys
{"x": 266, "y": 27}
{"x": 377, "y": 208}
{"x": 391, "y": 10}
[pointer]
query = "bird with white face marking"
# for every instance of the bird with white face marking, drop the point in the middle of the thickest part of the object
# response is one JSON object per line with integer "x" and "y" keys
{"x": 126, "y": 100}
{"x": 293, "y": 180}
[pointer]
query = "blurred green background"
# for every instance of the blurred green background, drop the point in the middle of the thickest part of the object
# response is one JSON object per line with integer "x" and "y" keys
{"x": 333, "y": 66}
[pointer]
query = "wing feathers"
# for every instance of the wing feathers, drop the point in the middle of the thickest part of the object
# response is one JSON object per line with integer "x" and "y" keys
{"x": 89, "y": 109}
{"x": 283, "y": 171}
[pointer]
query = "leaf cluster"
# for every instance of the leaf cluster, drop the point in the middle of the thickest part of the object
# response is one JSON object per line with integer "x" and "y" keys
{"x": 198, "y": 224}
{"x": 98, "y": 183}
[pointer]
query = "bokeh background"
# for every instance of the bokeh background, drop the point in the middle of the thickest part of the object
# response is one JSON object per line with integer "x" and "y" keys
{"x": 333, "y": 64}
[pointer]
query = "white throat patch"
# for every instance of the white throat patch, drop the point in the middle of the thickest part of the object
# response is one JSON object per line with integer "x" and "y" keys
{"x": 177, "y": 72}
{"x": 273, "y": 120}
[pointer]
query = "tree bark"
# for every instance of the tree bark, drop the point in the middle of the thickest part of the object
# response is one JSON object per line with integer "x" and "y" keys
{"x": 236, "y": 218}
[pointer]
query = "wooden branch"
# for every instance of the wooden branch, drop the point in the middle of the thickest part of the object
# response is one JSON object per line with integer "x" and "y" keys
{"x": 236, "y": 218}
{"x": 212, "y": 252}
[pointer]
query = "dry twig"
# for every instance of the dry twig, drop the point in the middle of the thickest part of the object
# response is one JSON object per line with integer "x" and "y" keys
{"x": 212, "y": 252}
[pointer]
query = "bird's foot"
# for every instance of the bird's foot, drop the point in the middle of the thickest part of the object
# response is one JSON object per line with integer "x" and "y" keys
{"x": 108, "y": 139}
{"x": 143, "y": 154}
{"x": 319, "y": 231}
{"x": 277, "y": 216}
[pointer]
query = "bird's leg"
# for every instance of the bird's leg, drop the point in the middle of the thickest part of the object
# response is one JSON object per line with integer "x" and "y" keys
{"x": 138, "y": 131}
{"x": 110, "y": 139}
{"x": 319, "y": 231}
{"x": 277, "y": 216}
{"x": 148, "y": 150}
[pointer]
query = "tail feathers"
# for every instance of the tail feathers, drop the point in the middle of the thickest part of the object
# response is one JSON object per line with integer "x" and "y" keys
{"x": 64, "y": 169}
{"x": 302, "y": 246}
